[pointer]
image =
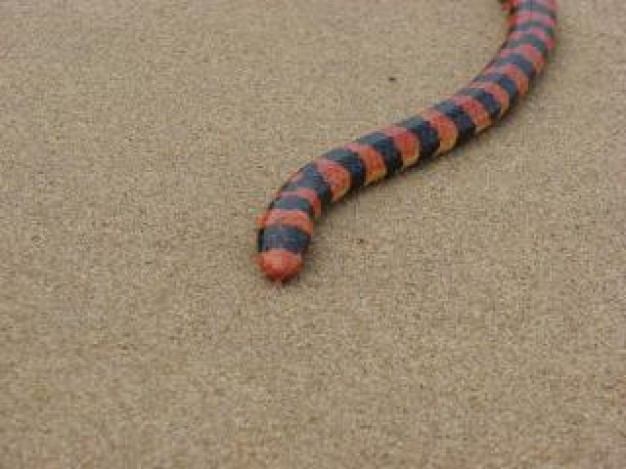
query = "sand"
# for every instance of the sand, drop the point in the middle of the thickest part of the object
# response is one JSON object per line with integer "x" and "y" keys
{"x": 467, "y": 314}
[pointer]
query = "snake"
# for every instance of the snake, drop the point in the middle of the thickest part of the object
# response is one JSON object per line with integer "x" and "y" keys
{"x": 285, "y": 228}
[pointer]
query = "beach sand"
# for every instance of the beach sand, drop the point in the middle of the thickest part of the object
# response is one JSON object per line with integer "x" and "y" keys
{"x": 470, "y": 313}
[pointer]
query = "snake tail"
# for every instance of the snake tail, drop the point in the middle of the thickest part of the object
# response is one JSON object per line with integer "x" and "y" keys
{"x": 286, "y": 227}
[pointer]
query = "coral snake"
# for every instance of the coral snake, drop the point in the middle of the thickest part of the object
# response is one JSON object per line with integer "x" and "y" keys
{"x": 285, "y": 228}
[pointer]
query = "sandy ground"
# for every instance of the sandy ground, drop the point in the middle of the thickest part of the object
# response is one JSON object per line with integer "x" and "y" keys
{"x": 467, "y": 314}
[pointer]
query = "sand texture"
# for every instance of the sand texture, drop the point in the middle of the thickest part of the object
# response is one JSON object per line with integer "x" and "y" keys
{"x": 468, "y": 314}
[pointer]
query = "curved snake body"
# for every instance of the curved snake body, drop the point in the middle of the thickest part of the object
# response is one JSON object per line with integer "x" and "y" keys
{"x": 286, "y": 227}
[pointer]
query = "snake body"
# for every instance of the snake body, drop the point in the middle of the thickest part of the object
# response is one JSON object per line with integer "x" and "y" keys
{"x": 286, "y": 227}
